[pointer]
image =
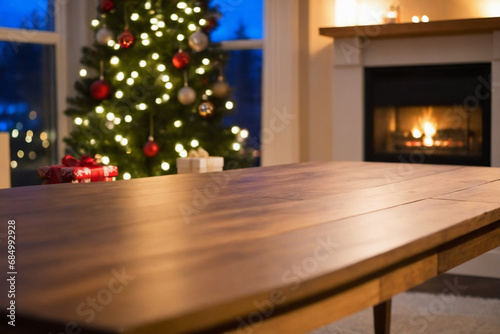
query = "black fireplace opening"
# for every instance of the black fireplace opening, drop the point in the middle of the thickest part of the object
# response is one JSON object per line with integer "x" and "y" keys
{"x": 428, "y": 114}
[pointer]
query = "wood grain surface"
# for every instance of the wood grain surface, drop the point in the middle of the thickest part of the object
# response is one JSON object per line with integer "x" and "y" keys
{"x": 401, "y": 30}
{"x": 222, "y": 251}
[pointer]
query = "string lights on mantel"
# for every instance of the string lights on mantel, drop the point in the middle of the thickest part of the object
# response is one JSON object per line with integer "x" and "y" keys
{"x": 393, "y": 15}
{"x": 416, "y": 19}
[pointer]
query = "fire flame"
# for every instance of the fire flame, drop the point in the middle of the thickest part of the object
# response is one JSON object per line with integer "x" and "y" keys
{"x": 416, "y": 133}
{"x": 428, "y": 141}
{"x": 427, "y": 129}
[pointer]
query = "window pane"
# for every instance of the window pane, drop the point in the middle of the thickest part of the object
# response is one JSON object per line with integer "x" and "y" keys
{"x": 27, "y": 107}
{"x": 240, "y": 20}
{"x": 27, "y": 14}
{"x": 244, "y": 75}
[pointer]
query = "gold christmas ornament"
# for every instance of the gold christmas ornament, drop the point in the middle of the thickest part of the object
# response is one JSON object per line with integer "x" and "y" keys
{"x": 206, "y": 109}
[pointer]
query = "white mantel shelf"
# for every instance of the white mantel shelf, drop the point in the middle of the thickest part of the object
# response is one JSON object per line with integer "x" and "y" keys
{"x": 399, "y": 30}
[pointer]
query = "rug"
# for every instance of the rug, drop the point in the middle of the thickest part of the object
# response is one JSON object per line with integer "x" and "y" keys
{"x": 415, "y": 313}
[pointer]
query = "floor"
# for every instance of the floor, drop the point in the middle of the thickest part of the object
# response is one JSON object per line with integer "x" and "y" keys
{"x": 481, "y": 287}
{"x": 446, "y": 304}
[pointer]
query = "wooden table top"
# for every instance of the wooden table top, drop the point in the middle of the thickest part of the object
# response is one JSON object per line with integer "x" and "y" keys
{"x": 183, "y": 253}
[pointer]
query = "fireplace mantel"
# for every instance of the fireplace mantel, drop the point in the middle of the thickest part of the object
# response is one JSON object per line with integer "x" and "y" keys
{"x": 404, "y": 30}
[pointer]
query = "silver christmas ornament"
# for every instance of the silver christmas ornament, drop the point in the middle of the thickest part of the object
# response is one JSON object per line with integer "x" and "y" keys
{"x": 198, "y": 41}
{"x": 104, "y": 35}
{"x": 221, "y": 89}
{"x": 186, "y": 95}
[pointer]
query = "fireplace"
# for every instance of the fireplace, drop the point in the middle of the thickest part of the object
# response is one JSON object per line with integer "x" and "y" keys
{"x": 428, "y": 114}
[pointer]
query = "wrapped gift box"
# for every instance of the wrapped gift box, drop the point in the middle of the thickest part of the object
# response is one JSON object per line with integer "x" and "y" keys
{"x": 199, "y": 165}
{"x": 71, "y": 170}
{"x": 199, "y": 162}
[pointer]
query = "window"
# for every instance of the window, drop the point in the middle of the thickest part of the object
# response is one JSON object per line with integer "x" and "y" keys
{"x": 240, "y": 33}
{"x": 240, "y": 20}
{"x": 29, "y": 46}
{"x": 27, "y": 14}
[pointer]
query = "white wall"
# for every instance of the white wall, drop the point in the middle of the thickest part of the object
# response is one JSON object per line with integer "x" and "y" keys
{"x": 319, "y": 91}
{"x": 294, "y": 50}
{"x": 280, "y": 97}
{"x": 435, "y": 9}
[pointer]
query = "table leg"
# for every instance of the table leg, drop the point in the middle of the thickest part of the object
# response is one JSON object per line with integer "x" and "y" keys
{"x": 382, "y": 317}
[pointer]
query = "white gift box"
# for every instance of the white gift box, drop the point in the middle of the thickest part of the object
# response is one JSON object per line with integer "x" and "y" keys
{"x": 199, "y": 161}
{"x": 199, "y": 165}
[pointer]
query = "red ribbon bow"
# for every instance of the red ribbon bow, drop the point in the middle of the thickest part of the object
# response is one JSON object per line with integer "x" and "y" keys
{"x": 85, "y": 161}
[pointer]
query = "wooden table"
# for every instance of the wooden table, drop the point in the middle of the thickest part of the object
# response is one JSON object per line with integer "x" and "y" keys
{"x": 296, "y": 246}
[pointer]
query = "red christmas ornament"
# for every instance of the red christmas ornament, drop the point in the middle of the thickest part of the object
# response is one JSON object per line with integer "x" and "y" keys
{"x": 181, "y": 60}
{"x": 211, "y": 22}
{"x": 203, "y": 3}
{"x": 126, "y": 39}
{"x": 100, "y": 90}
{"x": 151, "y": 148}
{"x": 107, "y": 5}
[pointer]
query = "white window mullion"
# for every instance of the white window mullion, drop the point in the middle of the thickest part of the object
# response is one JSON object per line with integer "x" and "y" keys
{"x": 29, "y": 36}
{"x": 242, "y": 44}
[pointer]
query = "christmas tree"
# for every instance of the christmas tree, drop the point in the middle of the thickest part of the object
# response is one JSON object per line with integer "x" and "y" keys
{"x": 152, "y": 89}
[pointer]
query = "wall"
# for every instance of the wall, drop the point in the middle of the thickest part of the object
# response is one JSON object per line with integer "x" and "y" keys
{"x": 449, "y": 9}
{"x": 369, "y": 10}
{"x": 280, "y": 135}
{"x": 316, "y": 71}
